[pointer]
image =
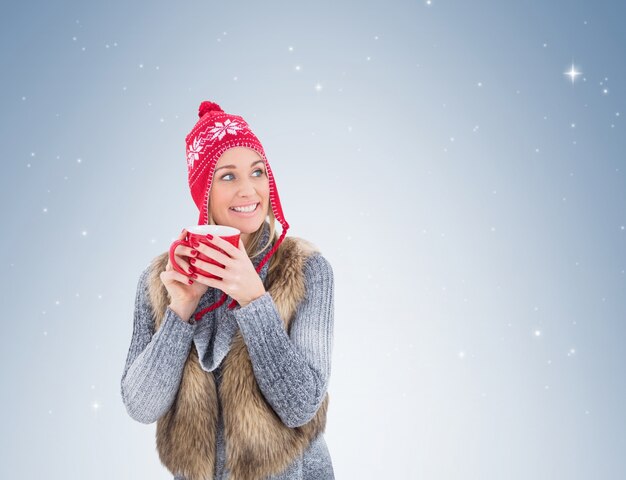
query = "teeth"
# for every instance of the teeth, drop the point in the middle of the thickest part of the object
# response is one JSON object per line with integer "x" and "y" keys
{"x": 245, "y": 209}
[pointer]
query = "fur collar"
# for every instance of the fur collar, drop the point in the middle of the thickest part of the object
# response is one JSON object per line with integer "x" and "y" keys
{"x": 258, "y": 444}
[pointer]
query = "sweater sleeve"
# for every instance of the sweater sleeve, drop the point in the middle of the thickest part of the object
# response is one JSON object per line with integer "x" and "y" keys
{"x": 293, "y": 370}
{"x": 155, "y": 361}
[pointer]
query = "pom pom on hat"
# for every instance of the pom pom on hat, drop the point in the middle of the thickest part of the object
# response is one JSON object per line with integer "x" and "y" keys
{"x": 206, "y": 107}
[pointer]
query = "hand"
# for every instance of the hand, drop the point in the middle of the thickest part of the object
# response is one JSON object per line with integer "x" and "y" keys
{"x": 177, "y": 284}
{"x": 239, "y": 279}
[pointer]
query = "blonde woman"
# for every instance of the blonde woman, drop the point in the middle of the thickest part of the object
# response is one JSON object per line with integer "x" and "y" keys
{"x": 234, "y": 369}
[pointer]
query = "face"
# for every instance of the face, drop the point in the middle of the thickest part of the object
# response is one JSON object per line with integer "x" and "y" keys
{"x": 240, "y": 180}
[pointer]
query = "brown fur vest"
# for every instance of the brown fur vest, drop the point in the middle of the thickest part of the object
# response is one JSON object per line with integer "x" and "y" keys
{"x": 258, "y": 444}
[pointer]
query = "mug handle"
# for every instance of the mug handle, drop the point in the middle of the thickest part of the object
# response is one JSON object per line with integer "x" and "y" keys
{"x": 173, "y": 258}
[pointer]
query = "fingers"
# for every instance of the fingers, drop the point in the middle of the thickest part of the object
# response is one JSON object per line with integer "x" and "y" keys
{"x": 228, "y": 247}
{"x": 183, "y": 250}
{"x": 215, "y": 254}
{"x": 208, "y": 281}
{"x": 184, "y": 264}
{"x": 180, "y": 252}
{"x": 208, "y": 268}
{"x": 171, "y": 275}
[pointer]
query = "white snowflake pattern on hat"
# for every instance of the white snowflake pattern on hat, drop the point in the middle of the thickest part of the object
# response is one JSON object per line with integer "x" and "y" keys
{"x": 220, "y": 129}
{"x": 193, "y": 152}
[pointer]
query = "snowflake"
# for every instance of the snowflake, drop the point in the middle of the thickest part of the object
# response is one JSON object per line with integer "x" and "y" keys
{"x": 219, "y": 130}
{"x": 203, "y": 139}
{"x": 193, "y": 152}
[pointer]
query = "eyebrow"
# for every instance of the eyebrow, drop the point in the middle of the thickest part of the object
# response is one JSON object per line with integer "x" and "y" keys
{"x": 232, "y": 166}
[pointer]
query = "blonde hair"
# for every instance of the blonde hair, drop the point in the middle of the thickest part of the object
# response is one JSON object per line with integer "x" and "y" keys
{"x": 252, "y": 245}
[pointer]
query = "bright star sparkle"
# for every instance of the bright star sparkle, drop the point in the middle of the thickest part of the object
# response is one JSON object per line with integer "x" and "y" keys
{"x": 573, "y": 73}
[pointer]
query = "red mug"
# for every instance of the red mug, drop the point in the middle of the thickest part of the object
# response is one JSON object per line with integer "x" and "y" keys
{"x": 198, "y": 233}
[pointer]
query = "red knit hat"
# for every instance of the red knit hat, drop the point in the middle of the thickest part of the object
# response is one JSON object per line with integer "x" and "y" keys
{"x": 213, "y": 134}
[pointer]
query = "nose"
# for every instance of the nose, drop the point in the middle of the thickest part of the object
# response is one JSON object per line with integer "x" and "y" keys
{"x": 246, "y": 188}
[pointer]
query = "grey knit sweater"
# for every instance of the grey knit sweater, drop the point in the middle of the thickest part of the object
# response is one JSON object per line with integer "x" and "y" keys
{"x": 292, "y": 370}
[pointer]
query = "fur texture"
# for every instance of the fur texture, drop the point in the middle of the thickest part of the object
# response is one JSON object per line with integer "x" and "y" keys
{"x": 258, "y": 444}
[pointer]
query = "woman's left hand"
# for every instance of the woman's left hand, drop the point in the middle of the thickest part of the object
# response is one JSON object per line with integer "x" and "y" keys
{"x": 239, "y": 279}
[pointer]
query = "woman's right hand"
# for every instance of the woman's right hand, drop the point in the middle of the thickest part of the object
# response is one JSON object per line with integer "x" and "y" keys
{"x": 181, "y": 292}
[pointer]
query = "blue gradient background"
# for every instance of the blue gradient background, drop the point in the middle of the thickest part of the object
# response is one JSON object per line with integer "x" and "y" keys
{"x": 469, "y": 196}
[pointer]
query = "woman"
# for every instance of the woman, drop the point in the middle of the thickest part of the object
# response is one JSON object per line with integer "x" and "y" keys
{"x": 238, "y": 389}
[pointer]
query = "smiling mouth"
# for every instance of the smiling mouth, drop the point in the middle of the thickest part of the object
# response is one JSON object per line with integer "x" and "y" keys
{"x": 246, "y": 209}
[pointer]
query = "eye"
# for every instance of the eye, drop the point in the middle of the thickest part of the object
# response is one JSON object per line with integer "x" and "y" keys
{"x": 223, "y": 177}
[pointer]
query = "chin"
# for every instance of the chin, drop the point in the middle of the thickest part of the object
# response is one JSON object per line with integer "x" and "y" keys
{"x": 247, "y": 225}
